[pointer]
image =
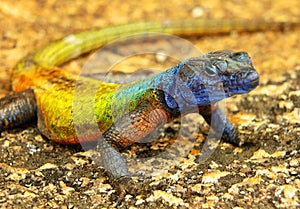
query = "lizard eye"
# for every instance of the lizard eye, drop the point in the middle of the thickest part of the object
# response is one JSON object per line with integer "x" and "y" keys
{"x": 240, "y": 56}
{"x": 211, "y": 70}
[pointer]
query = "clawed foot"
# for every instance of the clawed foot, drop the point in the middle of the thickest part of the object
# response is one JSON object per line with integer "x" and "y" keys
{"x": 231, "y": 136}
{"x": 125, "y": 186}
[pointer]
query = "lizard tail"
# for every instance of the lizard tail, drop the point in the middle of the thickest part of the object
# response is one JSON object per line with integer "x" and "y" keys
{"x": 72, "y": 46}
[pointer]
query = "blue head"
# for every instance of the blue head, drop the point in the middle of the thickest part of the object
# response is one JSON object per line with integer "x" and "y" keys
{"x": 202, "y": 81}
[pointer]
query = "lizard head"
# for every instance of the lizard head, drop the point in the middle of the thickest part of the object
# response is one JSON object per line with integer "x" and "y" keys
{"x": 214, "y": 76}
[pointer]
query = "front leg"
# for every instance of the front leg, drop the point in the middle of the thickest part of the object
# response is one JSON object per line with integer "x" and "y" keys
{"x": 125, "y": 131}
{"x": 214, "y": 116}
{"x": 112, "y": 161}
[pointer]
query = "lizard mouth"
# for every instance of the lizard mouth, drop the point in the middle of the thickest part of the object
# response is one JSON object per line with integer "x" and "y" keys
{"x": 243, "y": 83}
{"x": 250, "y": 80}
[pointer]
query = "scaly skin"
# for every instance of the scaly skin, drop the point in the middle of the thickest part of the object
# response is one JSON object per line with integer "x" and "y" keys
{"x": 193, "y": 85}
{"x": 55, "y": 86}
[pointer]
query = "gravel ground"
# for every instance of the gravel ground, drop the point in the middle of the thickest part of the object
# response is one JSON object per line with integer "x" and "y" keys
{"x": 264, "y": 173}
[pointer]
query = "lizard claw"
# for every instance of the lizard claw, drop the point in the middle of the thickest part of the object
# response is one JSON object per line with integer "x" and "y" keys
{"x": 231, "y": 136}
{"x": 125, "y": 185}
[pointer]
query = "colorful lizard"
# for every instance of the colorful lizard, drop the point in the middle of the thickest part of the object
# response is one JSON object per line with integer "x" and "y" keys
{"x": 45, "y": 92}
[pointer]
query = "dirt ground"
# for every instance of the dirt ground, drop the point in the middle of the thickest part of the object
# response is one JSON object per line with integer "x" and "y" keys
{"x": 264, "y": 173}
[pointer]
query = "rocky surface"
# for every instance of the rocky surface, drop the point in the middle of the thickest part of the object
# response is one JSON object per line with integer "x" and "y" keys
{"x": 263, "y": 173}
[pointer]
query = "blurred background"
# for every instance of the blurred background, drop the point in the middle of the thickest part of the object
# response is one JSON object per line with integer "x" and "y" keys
{"x": 28, "y": 24}
{"x": 261, "y": 174}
